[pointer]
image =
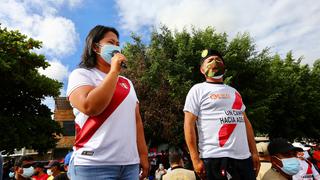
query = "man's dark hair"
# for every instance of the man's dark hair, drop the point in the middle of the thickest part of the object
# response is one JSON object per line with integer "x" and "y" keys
{"x": 19, "y": 162}
{"x": 281, "y": 145}
{"x": 210, "y": 52}
{"x": 174, "y": 157}
{"x": 88, "y": 58}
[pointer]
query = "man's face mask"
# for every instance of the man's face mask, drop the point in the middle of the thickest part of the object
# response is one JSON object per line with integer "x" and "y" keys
{"x": 290, "y": 166}
{"x": 49, "y": 172}
{"x": 107, "y": 51}
{"x": 215, "y": 69}
{"x": 28, "y": 172}
{"x": 11, "y": 174}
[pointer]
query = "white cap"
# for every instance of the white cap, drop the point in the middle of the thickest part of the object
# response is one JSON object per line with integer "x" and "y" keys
{"x": 299, "y": 145}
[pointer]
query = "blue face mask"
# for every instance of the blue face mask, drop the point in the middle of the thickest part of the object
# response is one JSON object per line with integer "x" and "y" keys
{"x": 291, "y": 166}
{"x": 11, "y": 174}
{"x": 107, "y": 52}
{"x": 28, "y": 172}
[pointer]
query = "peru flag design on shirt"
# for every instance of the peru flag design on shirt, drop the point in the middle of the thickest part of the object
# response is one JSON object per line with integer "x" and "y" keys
{"x": 94, "y": 122}
{"x": 307, "y": 171}
{"x": 220, "y": 120}
{"x": 227, "y": 129}
{"x": 109, "y": 138}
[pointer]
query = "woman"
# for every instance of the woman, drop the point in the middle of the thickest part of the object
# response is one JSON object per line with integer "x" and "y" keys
{"x": 110, "y": 141}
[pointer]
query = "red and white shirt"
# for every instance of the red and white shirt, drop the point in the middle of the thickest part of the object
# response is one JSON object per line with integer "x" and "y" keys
{"x": 220, "y": 123}
{"x": 307, "y": 171}
{"x": 109, "y": 138}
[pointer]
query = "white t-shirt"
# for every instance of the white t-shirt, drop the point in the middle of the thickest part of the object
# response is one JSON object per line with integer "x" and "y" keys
{"x": 109, "y": 138}
{"x": 307, "y": 172}
{"x": 220, "y": 123}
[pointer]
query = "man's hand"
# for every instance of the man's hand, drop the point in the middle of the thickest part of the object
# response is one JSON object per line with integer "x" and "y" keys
{"x": 256, "y": 163}
{"x": 144, "y": 163}
{"x": 199, "y": 168}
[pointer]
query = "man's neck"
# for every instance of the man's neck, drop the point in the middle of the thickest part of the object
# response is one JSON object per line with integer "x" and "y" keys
{"x": 212, "y": 80}
{"x": 276, "y": 168}
{"x": 174, "y": 166}
{"x": 40, "y": 173}
{"x": 56, "y": 173}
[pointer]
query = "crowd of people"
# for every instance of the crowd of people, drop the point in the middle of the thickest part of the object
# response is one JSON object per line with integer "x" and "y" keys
{"x": 279, "y": 160}
{"x": 26, "y": 168}
{"x": 110, "y": 141}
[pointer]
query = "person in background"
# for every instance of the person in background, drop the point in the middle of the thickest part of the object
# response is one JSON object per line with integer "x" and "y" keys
{"x": 264, "y": 157}
{"x": 225, "y": 135}
{"x": 1, "y": 166}
{"x": 314, "y": 153}
{"x": 65, "y": 176}
{"x": 160, "y": 172}
{"x": 53, "y": 169}
{"x": 284, "y": 163}
{"x": 39, "y": 173}
{"x": 23, "y": 168}
{"x": 109, "y": 129}
{"x": 307, "y": 169}
{"x": 178, "y": 172}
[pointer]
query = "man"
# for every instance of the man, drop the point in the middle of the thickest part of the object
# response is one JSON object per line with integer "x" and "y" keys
{"x": 307, "y": 169}
{"x": 283, "y": 160}
{"x": 177, "y": 170}
{"x": 23, "y": 168}
{"x": 53, "y": 169}
{"x": 160, "y": 172}
{"x": 65, "y": 176}
{"x": 226, "y": 140}
{"x": 39, "y": 172}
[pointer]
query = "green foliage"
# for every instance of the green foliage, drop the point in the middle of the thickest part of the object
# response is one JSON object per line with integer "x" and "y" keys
{"x": 24, "y": 120}
{"x": 281, "y": 95}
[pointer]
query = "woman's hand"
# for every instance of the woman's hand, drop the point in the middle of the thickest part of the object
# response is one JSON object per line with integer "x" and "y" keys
{"x": 116, "y": 61}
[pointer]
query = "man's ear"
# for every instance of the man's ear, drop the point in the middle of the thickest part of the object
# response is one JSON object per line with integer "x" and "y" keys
{"x": 202, "y": 70}
{"x": 276, "y": 161}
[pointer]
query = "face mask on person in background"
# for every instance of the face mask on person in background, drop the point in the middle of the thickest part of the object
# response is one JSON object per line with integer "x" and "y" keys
{"x": 28, "y": 172}
{"x": 306, "y": 155}
{"x": 49, "y": 172}
{"x": 107, "y": 51}
{"x": 219, "y": 68}
{"x": 11, "y": 174}
{"x": 291, "y": 166}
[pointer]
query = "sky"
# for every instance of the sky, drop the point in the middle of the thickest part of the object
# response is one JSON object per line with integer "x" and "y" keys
{"x": 62, "y": 25}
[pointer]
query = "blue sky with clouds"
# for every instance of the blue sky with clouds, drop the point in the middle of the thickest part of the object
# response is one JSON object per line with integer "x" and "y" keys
{"x": 62, "y": 25}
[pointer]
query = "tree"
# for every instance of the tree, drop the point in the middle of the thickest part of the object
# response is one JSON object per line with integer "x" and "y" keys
{"x": 278, "y": 93}
{"x": 24, "y": 120}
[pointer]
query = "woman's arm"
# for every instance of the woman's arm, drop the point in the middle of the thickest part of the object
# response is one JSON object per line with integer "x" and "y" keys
{"x": 93, "y": 100}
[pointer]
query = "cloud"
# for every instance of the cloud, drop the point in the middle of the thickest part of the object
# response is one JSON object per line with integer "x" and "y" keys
{"x": 38, "y": 19}
{"x": 49, "y": 101}
{"x": 282, "y": 25}
{"x": 56, "y": 70}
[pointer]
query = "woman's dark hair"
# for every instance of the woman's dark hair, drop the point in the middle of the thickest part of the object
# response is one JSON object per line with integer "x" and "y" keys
{"x": 88, "y": 58}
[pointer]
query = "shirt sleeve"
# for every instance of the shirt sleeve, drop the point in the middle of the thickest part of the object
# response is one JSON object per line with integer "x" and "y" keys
{"x": 243, "y": 107}
{"x": 192, "y": 103}
{"x": 134, "y": 91}
{"x": 79, "y": 77}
